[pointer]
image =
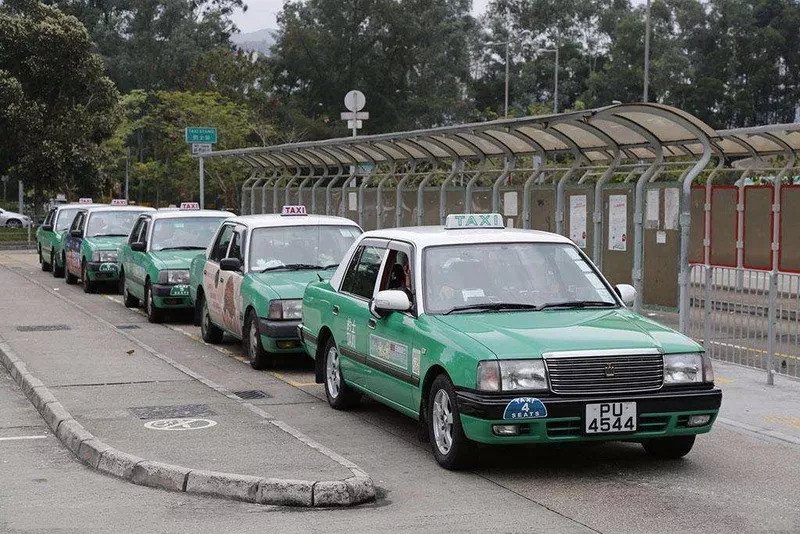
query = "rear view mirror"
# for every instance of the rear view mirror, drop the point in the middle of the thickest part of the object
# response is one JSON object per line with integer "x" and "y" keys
{"x": 230, "y": 264}
{"x": 626, "y": 293}
{"x": 389, "y": 300}
{"x": 138, "y": 246}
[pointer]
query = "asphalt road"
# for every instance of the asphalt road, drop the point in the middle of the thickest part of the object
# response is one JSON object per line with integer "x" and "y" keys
{"x": 733, "y": 480}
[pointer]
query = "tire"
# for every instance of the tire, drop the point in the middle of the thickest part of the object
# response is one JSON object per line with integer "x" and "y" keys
{"x": 58, "y": 271}
{"x": 88, "y": 285}
{"x": 259, "y": 358}
{"x": 14, "y": 223}
{"x": 451, "y": 447}
{"x": 210, "y": 332}
{"x": 671, "y": 448}
{"x": 154, "y": 314}
{"x": 129, "y": 300}
{"x": 69, "y": 278}
{"x": 46, "y": 267}
{"x": 340, "y": 395}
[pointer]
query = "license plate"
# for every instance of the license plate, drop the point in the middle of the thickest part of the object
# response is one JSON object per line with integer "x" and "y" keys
{"x": 610, "y": 417}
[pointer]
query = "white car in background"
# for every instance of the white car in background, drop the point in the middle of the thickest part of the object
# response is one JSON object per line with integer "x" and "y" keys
{"x": 14, "y": 220}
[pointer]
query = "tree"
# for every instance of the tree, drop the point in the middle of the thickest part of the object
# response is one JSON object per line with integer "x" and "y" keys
{"x": 51, "y": 131}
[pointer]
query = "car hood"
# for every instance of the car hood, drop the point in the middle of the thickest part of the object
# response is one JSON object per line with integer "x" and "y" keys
{"x": 527, "y": 334}
{"x": 174, "y": 259}
{"x": 105, "y": 243}
{"x": 289, "y": 284}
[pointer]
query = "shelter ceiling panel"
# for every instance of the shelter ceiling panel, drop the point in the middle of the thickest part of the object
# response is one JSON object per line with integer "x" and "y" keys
{"x": 515, "y": 144}
{"x": 622, "y": 135}
{"x": 487, "y": 147}
{"x": 548, "y": 141}
{"x": 583, "y": 137}
{"x": 459, "y": 147}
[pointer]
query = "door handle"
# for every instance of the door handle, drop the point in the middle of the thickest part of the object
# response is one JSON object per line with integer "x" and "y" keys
{"x": 335, "y": 309}
{"x": 371, "y": 323}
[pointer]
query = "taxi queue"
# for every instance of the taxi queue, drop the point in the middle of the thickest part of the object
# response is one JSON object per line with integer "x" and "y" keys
{"x": 483, "y": 334}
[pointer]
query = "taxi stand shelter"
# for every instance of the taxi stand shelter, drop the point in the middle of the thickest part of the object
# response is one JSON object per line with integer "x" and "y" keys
{"x": 562, "y": 165}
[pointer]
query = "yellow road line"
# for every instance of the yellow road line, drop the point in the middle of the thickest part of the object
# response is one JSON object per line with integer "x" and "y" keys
{"x": 720, "y": 380}
{"x": 289, "y": 381}
{"x": 751, "y": 349}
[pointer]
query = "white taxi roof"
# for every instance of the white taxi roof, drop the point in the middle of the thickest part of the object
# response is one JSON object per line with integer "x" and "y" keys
{"x": 429, "y": 236}
{"x": 108, "y": 207}
{"x": 272, "y": 220}
{"x": 186, "y": 214}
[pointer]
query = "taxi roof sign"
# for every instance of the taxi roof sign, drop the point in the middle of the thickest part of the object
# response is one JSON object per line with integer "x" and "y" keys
{"x": 294, "y": 210}
{"x": 84, "y": 200}
{"x": 119, "y": 202}
{"x": 461, "y": 221}
{"x": 190, "y": 205}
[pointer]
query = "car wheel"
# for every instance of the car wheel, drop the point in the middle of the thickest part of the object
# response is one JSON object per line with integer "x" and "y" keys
{"x": 129, "y": 300}
{"x": 58, "y": 270}
{"x": 211, "y": 333}
{"x": 46, "y": 267}
{"x": 670, "y": 448}
{"x": 451, "y": 447}
{"x": 340, "y": 395}
{"x": 154, "y": 314}
{"x": 88, "y": 285}
{"x": 14, "y": 223}
{"x": 258, "y": 357}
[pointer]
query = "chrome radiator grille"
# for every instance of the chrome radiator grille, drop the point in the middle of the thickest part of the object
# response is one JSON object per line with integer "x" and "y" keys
{"x": 590, "y": 372}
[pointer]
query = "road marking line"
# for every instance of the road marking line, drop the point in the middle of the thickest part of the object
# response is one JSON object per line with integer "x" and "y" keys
{"x": 289, "y": 381}
{"x": 760, "y": 351}
{"x": 13, "y": 438}
{"x": 720, "y": 380}
{"x": 786, "y": 420}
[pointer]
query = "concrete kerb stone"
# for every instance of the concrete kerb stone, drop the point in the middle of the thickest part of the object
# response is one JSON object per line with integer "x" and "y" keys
{"x": 160, "y": 475}
{"x": 54, "y": 414}
{"x": 91, "y": 450}
{"x": 239, "y": 487}
{"x": 285, "y": 492}
{"x": 117, "y": 463}
{"x": 41, "y": 397}
{"x": 72, "y": 434}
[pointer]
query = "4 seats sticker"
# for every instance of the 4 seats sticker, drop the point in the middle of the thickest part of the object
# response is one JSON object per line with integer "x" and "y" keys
{"x": 525, "y": 408}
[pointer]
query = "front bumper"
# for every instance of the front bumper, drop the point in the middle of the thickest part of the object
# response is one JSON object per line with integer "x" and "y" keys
{"x": 102, "y": 271}
{"x": 171, "y": 296}
{"x": 664, "y": 413}
{"x": 280, "y": 336}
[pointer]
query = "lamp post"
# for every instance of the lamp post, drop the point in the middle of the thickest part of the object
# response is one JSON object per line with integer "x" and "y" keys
{"x": 507, "y": 44}
{"x": 555, "y": 75}
{"x": 646, "y": 51}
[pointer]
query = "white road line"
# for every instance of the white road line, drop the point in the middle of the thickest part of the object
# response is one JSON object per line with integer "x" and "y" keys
{"x": 22, "y": 437}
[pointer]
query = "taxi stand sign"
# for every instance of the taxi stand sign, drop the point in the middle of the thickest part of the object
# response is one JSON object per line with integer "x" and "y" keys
{"x": 473, "y": 220}
{"x": 190, "y": 205}
{"x": 119, "y": 202}
{"x": 84, "y": 200}
{"x": 294, "y": 210}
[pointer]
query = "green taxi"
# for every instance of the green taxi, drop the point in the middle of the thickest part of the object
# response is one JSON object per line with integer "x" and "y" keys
{"x": 51, "y": 235}
{"x": 92, "y": 243}
{"x": 250, "y": 281}
{"x": 501, "y": 336}
{"x": 154, "y": 262}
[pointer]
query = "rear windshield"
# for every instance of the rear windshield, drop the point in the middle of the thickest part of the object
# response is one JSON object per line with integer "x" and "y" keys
{"x": 65, "y": 217}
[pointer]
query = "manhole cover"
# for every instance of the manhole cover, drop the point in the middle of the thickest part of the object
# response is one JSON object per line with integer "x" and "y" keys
{"x": 42, "y": 327}
{"x": 252, "y": 394}
{"x": 171, "y": 412}
{"x": 127, "y": 326}
{"x": 182, "y": 423}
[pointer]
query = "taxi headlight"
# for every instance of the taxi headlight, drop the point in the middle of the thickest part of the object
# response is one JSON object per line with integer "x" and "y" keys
{"x": 104, "y": 256}
{"x": 173, "y": 276}
{"x": 285, "y": 309}
{"x": 687, "y": 368}
{"x": 511, "y": 375}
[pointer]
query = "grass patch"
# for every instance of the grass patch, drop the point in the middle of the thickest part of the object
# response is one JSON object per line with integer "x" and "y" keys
{"x": 16, "y": 234}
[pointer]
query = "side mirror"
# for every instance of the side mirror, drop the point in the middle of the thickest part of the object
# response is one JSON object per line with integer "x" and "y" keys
{"x": 47, "y": 227}
{"x": 230, "y": 264}
{"x": 626, "y": 293}
{"x": 76, "y": 233}
{"x": 139, "y": 246}
{"x": 388, "y": 301}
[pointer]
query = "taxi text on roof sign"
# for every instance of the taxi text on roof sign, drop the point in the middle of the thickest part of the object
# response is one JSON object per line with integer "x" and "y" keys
{"x": 85, "y": 200}
{"x": 294, "y": 210}
{"x": 119, "y": 202}
{"x": 476, "y": 220}
{"x": 190, "y": 205}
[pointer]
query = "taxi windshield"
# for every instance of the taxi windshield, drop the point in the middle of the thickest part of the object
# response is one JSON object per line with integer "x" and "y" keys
{"x": 307, "y": 246}
{"x": 111, "y": 223}
{"x": 510, "y": 276}
{"x": 65, "y": 217}
{"x": 189, "y": 233}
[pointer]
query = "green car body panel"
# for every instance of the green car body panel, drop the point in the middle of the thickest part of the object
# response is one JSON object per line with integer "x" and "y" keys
{"x": 394, "y": 358}
{"x": 50, "y": 243}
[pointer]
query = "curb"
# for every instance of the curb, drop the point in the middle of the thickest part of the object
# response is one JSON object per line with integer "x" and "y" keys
{"x": 106, "y": 459}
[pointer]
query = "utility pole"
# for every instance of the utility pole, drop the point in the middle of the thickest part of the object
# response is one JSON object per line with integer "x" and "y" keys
{"x": 127, "y": 173}
{"x": 646, "y": 52}
{"x": 508, "y": 43}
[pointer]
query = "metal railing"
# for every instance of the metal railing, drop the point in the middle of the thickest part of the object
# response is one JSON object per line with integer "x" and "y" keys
{"x": 747, "y": 317}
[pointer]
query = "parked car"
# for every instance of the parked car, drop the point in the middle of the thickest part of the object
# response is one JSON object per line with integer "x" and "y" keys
{"x": 14, "y": 220}
{"x": 50, "y": 236}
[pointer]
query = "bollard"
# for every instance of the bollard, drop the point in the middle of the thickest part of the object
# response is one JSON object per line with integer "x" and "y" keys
{"x": 771, "y": 313}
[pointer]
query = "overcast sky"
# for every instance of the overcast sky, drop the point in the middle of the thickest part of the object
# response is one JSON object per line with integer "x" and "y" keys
{"x": 261, "y": 14}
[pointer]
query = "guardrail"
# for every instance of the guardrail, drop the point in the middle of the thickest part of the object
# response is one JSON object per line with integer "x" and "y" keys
{"x": 747, "y": 317}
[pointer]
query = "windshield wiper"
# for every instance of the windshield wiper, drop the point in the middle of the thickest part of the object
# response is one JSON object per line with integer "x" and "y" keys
{"x": 493, "y": 306}
{"x": 293, "y": 267}
{"x": 185, "y": 247}
{"x": 331, "y": 266}
{"x": 109, "y": 235}
{"x": 576, "y": 304}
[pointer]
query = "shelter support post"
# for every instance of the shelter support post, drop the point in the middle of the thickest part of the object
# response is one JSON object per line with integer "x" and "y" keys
{"x": 538, "y": 163}
{"x": 458, "y": 168}
{"x": 471, "y": 185}
{"x": 270, "y": 181}
{"x": 304, "y": 183}
{"x": 379, "y": 195}
{"x": 398, "y": 198}
{"x": 509, "y": 161}
{"x": 364, "y": 183}
{"x": 329, "y": 188}
{"x": 253, "y": 192}
{"x": 202, "y": 183}
{"x": 561, "y": 189}
{"x": 287, "y": 189}
{"x": 707, "y": 213}
{"x": 317, "y": 180}
{"x": 246, "y": 186}
{"x": 597, "y": 216}
{"x": 638, "y": 228}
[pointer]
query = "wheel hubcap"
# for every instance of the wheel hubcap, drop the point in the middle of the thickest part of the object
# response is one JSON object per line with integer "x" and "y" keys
{"x": 442, "y": 421}
{"x": 334, "y": 378}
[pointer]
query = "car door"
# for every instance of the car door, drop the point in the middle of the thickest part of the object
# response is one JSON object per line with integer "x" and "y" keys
{"x": 231, "y": 281}
{"x": 351, "y": 310}
{"x": 392, "y": 337}
{"x": 213, "y": 290}
{"x": 72, "y": 244}
{"x": 46, "y": 236}
{"x": 135, "y": 271}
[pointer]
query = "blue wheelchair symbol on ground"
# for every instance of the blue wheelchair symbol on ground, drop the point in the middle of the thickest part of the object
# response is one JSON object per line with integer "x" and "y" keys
{"x": 525, "y": 408}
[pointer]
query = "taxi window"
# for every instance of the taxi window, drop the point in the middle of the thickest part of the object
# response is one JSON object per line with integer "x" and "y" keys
{"x": 77, "y": 223}
{"x": 137, "y": 229}
{"x": 236, "y": 247}
{"x": 220, "y": 248}
{"x": 49, "y": 218}
{"x": 398, "y": 273}
{"x": 317, "y": 245}
{"x": 111, "y": 223}
{"x": 361, "y": 275}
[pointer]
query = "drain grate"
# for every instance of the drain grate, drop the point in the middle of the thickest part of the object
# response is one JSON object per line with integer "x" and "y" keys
{"x": 252, "y": 394}
{"x": 170, "y": 412}
{"x": 42, "y": 327}
{"x": 127, "y": 326}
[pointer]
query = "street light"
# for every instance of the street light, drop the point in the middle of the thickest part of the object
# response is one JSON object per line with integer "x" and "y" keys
{"x": 522, "y": 35}
{"x": 646, "y": 52}
{"x": 555, "y": 76}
